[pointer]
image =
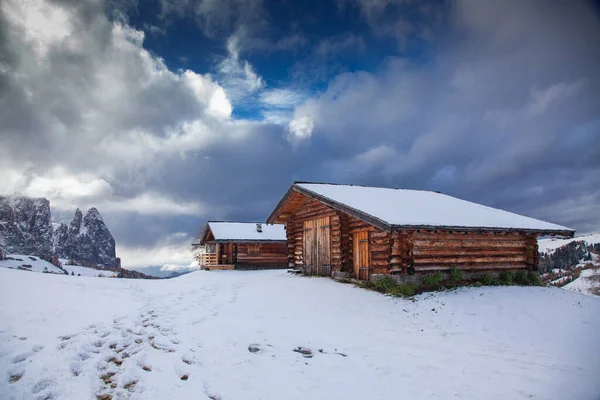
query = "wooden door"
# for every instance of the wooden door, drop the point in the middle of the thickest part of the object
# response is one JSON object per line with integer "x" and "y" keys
{"x": 323, "y": 242}
{"x": 317, "y": 244}
{"x": 360, "y": 251}
{"x": 309, "y": 245}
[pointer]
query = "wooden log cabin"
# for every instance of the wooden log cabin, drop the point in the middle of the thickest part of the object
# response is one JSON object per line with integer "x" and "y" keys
{"x": 242, "y": 245}
{"x": 366, "y": 232}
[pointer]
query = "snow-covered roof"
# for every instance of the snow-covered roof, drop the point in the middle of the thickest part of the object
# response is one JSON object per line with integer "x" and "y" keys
{"x": 246, "y": 231}
{"x": 420, "y": 208}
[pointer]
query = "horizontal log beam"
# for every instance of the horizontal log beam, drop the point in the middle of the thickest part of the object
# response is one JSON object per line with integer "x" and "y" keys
{"x": 471, "y": 267}
{"x": 463, "y": 259}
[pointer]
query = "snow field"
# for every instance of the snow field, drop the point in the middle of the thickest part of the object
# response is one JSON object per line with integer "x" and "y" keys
{"x": 85, "y": 271}
{"x": 232, "y": 335}
{"x": 31, "y": 263}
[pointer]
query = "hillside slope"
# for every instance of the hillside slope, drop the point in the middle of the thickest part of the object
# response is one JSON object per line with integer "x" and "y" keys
{"x": 573, "y": 264}
{"x": 232, "y": 335}
{"x": 29, "y": 263}
{"x": 551, "y": 244}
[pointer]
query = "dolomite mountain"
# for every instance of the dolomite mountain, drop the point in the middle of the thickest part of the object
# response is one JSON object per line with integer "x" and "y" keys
{"x": 26, "y": 227}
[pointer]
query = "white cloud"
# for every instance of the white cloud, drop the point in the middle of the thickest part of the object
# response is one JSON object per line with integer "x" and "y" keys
{"x": 237, "y": 76}
{"x": 153, "y": 204}
{"x": 174, "y": 250}
{"x": 300, "y": 128}
{"x": 278, "y": 104}
{"x": 282, "y": 98}
{"x": 209, "y": 93}
{"x": 44, "y": 24}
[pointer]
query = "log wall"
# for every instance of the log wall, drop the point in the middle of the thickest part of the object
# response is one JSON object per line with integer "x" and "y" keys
{"x": 480, "y": 251}
{"x": 261, "y": 255}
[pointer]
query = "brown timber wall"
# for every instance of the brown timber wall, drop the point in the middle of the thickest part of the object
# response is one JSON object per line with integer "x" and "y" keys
{"x": 476, "y": 251}
{"x": 342, "y": 228}
{"x": 261, "y": 255}
{"x": 311, "y": 210}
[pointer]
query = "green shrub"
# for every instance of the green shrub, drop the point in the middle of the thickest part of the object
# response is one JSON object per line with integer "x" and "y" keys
{"x": 368, "y": 285}
{"x": 521, "y": 278}
{"x": 534, "y": 278}
{"x": 508, "y": 278}
{"x": 477, "y": 284}
{"x": 384, "y": 284}
{"x": 388, "y": 286}
{"x": 432, "y": 279}
{"x": 404, "y": 290}
{"x": 489, "y": 280}
{"x": 456, "y": 274}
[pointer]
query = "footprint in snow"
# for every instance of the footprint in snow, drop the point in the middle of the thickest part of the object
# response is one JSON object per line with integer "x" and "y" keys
{"x": 19, "y": 358}
{"x": 42, "y": 385}
{"x": 76, "y": 368}
{"x": 15, "y": 374}
{"x": 254, "y": 348}
{"x": 306, "y": 353}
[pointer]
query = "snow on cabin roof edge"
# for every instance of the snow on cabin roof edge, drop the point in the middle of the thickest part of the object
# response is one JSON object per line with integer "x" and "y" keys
{"x": 385, "y": 223}
{"x": 246, "y": 231}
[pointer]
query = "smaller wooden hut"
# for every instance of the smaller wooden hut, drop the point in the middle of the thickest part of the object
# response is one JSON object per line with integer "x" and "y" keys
{"x": 242, "y": 245}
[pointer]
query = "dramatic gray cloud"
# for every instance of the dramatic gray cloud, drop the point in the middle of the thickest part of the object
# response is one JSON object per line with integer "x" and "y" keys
{"x": 506, "y": 113}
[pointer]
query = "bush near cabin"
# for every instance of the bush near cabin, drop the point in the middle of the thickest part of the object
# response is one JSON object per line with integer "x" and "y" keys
{"x": 435, "y": 281}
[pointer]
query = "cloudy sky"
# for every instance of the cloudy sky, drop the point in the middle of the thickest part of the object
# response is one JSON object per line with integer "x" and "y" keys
{"x": 166, "y": 113}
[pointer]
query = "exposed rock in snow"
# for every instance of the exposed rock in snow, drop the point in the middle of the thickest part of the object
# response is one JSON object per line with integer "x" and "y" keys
{"x": 26, "y": 228}
{"x": 25, "y": 225}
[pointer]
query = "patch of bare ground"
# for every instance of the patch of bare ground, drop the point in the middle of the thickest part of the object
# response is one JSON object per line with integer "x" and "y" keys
{"x": 107, "y": 378}
{"x": 130, "y": 386}
{"x": 14, "y": 378}
{"x": 115, "y": 361}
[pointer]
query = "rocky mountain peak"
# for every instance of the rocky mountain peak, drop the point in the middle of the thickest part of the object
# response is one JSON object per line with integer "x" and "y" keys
{"x": 26, "y": 228}
{"x": 75, "y": 226}
{"x": 25, "y": 223}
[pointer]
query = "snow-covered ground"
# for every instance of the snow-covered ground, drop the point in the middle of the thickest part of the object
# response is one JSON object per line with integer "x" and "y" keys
{"x": 31, "y": 263}
{"x": 232, "y": 335}
{"x": 551, "y": 244}
{"x": 85, "y": 271}
{"x": 36, "y": 264}
{"x": 587, "y": 283}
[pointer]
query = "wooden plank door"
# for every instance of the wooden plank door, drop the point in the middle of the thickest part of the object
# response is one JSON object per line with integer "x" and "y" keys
{"x": 317, "y": 244}
{"x": 309, "y": 245}
{"x": 323, "y": 242}
{"x": 360, "y": 251}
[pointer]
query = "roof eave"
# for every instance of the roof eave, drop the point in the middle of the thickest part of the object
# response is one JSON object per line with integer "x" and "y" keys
{"x": 206, "y": 230}
{"x": 247, "y": 241}
{"x": 549, "y": 232}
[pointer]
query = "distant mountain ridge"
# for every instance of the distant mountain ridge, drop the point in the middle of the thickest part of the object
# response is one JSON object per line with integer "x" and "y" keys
{"x": 26, "y": 227}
